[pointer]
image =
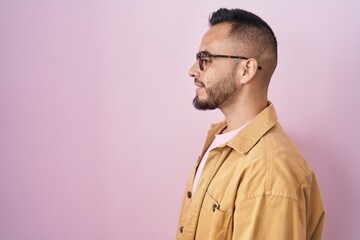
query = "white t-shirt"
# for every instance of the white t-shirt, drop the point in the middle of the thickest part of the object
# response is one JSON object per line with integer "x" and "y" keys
{"x": 220, "y": 138}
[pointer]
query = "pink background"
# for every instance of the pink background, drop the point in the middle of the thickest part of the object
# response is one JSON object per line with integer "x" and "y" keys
{"x": 97, "y": 130}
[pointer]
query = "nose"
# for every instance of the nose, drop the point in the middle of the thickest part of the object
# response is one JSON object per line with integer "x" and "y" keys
{"x": 194, "y": 70}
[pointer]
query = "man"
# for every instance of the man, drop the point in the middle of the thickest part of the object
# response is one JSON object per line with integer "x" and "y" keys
{"x": 250, "y": 182}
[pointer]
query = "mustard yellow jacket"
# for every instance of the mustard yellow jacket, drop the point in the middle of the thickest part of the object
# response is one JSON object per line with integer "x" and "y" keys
{"x": 256, "y": 186}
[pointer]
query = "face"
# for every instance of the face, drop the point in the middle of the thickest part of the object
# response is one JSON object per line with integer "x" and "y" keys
{"x": 216, "y": 86}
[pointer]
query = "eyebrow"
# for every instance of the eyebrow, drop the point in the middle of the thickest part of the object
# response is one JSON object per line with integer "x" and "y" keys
{"x": 206, "y": 52}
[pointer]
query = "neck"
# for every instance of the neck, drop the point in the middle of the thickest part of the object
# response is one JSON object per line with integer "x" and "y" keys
{"x": 242, "y": 111}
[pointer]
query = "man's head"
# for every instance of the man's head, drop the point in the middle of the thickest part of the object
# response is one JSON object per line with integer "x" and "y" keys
{"x": 238, "y": 51}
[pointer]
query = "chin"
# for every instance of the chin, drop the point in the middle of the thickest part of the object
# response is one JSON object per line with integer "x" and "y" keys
{"x": 203, "y": 104}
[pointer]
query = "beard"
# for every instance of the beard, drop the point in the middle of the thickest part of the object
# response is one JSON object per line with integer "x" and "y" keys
{"x": 217, "y": 94}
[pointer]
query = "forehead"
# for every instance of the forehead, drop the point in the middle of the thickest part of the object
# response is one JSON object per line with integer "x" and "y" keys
{"x": 216, "y": 39}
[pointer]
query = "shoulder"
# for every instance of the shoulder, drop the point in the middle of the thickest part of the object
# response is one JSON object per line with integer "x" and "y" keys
{"x": 277, "y": 167}
{"x": 282, "y": 156}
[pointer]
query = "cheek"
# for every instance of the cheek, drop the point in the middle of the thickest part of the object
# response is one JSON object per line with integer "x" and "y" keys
{"x": 211, "y": 78}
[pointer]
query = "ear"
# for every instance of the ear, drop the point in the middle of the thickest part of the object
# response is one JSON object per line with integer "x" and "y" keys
{"x": 248, "y": 70}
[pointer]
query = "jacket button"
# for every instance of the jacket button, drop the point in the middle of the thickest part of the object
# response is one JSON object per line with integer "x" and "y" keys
{"x": 215, "y": 206}
{"x": 189, "y": 194}
{"x": 181, "y": 229}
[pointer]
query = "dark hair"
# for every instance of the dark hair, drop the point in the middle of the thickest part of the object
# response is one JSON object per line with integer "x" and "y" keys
{"x": 249, "y": 28}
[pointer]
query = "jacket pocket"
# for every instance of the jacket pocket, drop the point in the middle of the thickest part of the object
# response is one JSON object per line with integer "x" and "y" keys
{"x": 213, "y": 221}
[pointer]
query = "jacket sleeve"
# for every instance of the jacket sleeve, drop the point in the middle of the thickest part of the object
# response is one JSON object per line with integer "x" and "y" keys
{"x": 315, "y": 211}
{"x": 279, "y": 217}
{"x": 269, "y": 217}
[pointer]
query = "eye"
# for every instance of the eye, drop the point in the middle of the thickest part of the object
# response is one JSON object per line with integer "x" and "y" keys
{"x": 205, "y": 59}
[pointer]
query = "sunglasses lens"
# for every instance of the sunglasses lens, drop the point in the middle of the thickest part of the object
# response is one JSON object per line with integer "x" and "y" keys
{"x": 200, "y": 57}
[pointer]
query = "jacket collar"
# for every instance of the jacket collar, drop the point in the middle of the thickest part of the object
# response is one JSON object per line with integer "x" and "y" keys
{"x": 252, "y": 132}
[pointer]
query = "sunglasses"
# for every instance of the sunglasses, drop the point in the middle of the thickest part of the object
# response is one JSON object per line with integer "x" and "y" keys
{"x": 204, "y": 59}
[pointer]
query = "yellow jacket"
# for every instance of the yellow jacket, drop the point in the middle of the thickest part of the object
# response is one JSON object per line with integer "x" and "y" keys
{"x": 256, "y": 186}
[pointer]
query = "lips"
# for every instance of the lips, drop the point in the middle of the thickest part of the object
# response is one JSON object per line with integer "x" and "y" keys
{"x": 199, "y": 86}
{"x": 198, "y": 83}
